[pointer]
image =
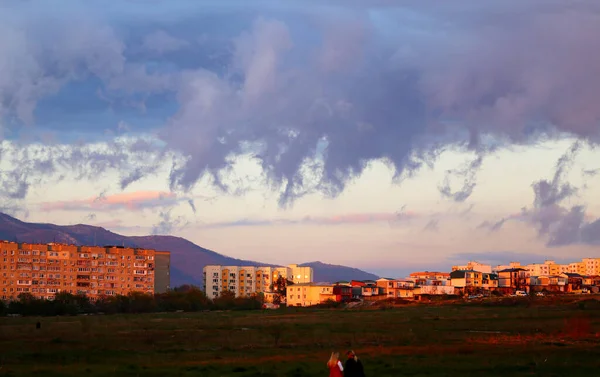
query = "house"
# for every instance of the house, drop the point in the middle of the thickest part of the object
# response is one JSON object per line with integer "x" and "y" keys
{"x": 430, "y": 278}
{"x": 404, "y": 288}
{"x": 590, "y": 281}
{"x": 466, "y": 278}
{"x": 574, "y": 282}
{"x": 489, "y": 281}
{"x": 309, "y": 294}
{"x": 433, "y": 290}
{"x": 551, "y": 283}
{"x": 342, "y": 291}
{"x": 396, "y": 288}
{"x": 513, "y": 279}
{"x": 430, "y": 275}
{"x": 271, "y": 297}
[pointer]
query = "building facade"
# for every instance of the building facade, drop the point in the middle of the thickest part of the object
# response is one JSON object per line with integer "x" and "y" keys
{"x": 474, "y": 266}
{"x": 309, "y": 294}
{"x": 162, "y": 273}
{"x": 44, "y": 270}
{"x": 245, "y": 281}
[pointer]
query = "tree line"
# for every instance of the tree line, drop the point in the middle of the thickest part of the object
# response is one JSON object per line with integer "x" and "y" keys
{"x": 185, "y": 298}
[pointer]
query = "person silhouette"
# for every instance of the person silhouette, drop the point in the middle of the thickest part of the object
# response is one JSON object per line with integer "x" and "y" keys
{"x": 353, "y": 366}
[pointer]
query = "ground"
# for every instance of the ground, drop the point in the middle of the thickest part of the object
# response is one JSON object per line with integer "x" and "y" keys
{"x": 492, "y": 339}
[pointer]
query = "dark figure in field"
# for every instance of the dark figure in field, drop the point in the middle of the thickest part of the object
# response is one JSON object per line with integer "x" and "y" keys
{"x": 353, "y": 366}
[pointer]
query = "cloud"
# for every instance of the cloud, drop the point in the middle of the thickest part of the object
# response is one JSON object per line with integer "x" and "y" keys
{"x": 313, "y": 94}
{"x": 558, "y": 224}
{"x": 161, "y": 42}
{"x": 468, "y": 175}
{"x": 344, "y": 219}
{"x": 503, "y": 257}
{"x": 133, "y": 201}
{"x": 432, "y": 226}
{"x": 168, "y": 224}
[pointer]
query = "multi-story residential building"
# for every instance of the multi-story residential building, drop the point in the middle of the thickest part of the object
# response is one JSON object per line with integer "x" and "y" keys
{"x": 511, "y": 279}
{"x": 474, "y": 266}
{"x": 577, "y": 268}
{"x": 508, "y": 266}
{"x": 396, "y": 288}
{"x": 489, "y": 281}
{"x": 162, "y": 272}
{"x": 592, "y": 266}
{"x": 538, "y": 269}
{"x": 44, "y": 270}
{"x": 309, "y": 294}
{"x": 473, "y": 280}
{"x": 555, "y": 283}
{"x": 244, "y": 281}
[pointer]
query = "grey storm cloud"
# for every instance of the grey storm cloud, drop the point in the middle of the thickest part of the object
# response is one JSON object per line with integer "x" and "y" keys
{"x": 314, "y": 93}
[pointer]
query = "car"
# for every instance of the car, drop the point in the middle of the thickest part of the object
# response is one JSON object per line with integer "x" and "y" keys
{"x": 541, "y": 294}
{"x": 520, "y": 293}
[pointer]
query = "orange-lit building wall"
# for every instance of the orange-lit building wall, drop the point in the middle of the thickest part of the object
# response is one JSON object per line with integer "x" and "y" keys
{"x": 44, "y": 270}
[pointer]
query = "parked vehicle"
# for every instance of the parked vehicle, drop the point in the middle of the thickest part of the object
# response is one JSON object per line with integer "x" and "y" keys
{"x": 520, "y": 293}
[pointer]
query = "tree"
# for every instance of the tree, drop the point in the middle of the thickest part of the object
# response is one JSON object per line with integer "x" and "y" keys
{"x": 65, "y": 304}
{"x": 279, "y": 288}
{"x": 226, "y": 300}
{"x": 141, "y": 302}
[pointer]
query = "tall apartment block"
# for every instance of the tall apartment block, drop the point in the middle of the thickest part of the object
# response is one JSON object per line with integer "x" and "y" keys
{"x": 247, "y": 280}
{"x": 47, "y": 269}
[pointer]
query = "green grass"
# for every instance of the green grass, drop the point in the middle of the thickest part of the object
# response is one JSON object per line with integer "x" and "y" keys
{"x": 549, "y": 339}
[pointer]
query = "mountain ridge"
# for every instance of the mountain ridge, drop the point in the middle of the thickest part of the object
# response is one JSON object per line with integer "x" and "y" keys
{"x": 187, "y": 258}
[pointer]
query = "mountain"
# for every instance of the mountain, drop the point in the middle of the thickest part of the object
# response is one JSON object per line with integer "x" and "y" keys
{"x": 187, "y": 258}
{"x": 332, "y": 272}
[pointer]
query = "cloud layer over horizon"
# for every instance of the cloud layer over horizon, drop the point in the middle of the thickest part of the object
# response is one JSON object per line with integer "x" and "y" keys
{"x": 312, "y": 92}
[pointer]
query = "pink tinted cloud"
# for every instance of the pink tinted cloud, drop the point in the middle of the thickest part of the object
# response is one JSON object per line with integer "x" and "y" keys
{"x": 133, "y": 201}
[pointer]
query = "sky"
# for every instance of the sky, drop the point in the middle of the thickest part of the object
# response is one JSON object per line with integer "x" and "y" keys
{"x": 388, "y": 136}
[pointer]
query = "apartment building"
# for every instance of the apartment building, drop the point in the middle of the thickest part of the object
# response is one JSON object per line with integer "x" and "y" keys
{"x": 577, "y": 268}
{"x": 44, "y": 270}
{"x": 549, "y": 267}
{"x": 162, "y": 273}
{"x": 244, "y": 281}
{"x": 474, "y": 266}
{"x": 591, "y": 266}
{"x": 509, "y": 266}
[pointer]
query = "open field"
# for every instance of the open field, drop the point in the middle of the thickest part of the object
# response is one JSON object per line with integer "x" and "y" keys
{"x": 540, "y": 338}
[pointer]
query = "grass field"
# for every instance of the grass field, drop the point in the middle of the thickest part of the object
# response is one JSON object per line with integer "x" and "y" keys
{"x": 542, "y": 338}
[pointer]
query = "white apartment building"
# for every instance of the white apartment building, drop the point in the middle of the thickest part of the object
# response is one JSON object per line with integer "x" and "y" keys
{"x": 247, "y": 280}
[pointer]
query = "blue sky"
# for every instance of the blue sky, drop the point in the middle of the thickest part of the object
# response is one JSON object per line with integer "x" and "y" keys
{"x": 387, "y": 136}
